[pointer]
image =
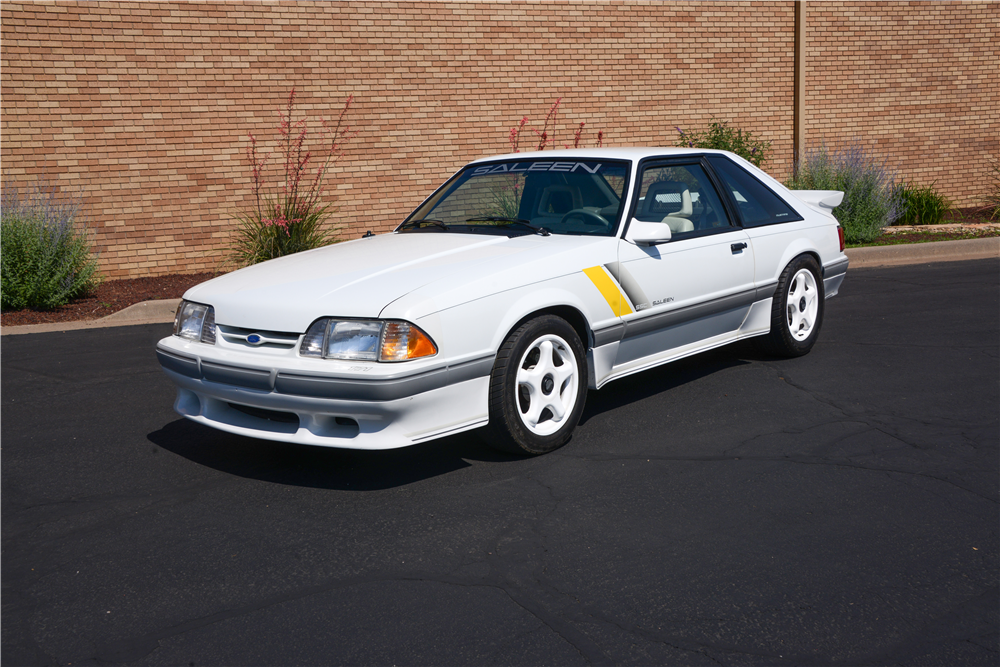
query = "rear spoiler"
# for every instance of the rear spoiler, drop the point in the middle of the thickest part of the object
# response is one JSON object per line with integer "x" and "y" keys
{"x": 829, "y": 199}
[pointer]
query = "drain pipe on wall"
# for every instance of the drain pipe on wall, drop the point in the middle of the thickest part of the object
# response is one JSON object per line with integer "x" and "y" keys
{"x": 799, "y": 124}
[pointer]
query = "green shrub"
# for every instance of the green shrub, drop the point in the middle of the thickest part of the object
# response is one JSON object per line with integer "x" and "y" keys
{"x": 720, "y": 136}
{"x": 45, "y": 261}
{"x": 289, "y": 219}
{"x": 922, "y": 206}
{"x": 872, "y": 198}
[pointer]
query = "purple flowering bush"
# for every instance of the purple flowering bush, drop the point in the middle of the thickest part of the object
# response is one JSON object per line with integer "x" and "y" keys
{"x": 45, "y": 258}
{"x": 720, "y": 136}
{"x": 873, "y": 194}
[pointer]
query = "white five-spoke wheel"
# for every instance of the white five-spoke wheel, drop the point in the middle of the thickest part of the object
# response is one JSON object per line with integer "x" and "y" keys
{"x": 797, "y": 309}
{"x": 538, "y": 387}
{"x": 802, "y": 304}
{"x": 548, "y": 379}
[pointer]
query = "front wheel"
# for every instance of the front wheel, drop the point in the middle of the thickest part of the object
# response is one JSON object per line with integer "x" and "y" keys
{"x": 797, "y": 309}
{"x": 538, "y": 387}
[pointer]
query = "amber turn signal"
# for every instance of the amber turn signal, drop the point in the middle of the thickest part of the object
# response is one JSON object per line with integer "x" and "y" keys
{"x": 402, "y": 341}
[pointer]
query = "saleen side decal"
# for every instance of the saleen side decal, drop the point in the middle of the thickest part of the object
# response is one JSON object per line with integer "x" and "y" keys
{"x": 609, "y": 290}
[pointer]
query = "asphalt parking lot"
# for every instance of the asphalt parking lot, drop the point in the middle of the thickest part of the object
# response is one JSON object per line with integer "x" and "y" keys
{"x": 840, "y": 508}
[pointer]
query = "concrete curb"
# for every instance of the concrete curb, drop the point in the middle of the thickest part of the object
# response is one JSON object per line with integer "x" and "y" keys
{"x": 924, "y": 253}
{"x": 147, "y": 312}
{"x": 162, "y": 311}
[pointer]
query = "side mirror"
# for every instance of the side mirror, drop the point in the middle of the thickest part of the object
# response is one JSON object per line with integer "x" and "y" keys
{"x": 647, "y": 233}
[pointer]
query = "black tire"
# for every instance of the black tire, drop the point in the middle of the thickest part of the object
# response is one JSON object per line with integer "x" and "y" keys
{"x": 523, "y": 417}
{"x": 796, "y": 311}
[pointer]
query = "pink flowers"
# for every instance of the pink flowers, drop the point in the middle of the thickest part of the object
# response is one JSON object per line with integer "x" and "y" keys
{"x": 545, "y": 136}
{"x": 515, "y": 135}
{"x": 297, "y": 197}
{"x": 281, "y": 221}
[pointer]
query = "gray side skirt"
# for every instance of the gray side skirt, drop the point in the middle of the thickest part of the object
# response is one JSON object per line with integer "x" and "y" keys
{"x": 665, "y": 331}
{"x": 641, "y": 336}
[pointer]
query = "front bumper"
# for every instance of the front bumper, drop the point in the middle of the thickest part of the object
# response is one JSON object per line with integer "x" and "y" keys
{"x": 400, "y": 408}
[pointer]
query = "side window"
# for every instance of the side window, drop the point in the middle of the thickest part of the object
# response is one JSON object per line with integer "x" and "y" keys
{"x": 682, "y": 197}
{"x": 757, "y": 204}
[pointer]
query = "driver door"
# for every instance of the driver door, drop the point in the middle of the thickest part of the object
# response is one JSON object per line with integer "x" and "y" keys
{"x": 694, "y": 291}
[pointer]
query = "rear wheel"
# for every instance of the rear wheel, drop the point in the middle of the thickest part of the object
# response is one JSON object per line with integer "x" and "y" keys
{"x": 797, "y": 309}
{"x": 538, "y": 387}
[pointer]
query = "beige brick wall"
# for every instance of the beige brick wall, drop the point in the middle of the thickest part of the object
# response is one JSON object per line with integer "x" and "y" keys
{"x": 917, "y": 82}
{"x": 143, "y": 108}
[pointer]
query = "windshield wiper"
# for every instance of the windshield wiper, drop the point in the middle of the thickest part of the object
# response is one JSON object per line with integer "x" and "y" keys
{"x": 541, "y": 231}
{"x": 415, "y": 224}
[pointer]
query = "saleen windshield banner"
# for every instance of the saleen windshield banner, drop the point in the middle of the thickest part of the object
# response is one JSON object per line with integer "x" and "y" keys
{"x": 524, "y": 167}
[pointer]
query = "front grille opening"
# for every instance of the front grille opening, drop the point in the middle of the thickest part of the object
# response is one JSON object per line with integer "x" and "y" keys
{"x": 270, "y": 415}
{"x": 347, "y": 421}
{"x": 281, "y": 340}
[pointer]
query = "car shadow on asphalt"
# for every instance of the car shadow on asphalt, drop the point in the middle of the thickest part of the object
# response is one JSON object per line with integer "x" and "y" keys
{"x": 321, "y": 467}
{"x": 669, "y": 376}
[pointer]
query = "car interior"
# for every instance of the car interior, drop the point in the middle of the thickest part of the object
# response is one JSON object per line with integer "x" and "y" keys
{"x": 681, "y": 198}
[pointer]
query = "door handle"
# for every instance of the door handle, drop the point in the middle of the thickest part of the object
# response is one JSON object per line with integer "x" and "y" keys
{"x": 737, "y": 247}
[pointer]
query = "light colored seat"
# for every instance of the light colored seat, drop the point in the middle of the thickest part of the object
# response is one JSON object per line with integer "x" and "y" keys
{"x": 668, "y": 198}
{"x": 678, "y": 225}
{"x": 559, "y": 200}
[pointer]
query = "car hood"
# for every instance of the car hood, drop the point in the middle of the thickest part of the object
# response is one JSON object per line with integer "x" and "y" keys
{"x": 360, "y": 278}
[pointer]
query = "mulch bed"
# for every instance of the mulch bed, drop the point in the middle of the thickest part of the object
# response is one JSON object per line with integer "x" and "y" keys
{"x": 110, "y": 297}
{"x": 918, "y": 235}
{"x": 977, "y": 215}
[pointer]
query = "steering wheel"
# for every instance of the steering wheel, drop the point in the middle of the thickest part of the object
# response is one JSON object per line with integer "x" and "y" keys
{"x": 585, "y": 216}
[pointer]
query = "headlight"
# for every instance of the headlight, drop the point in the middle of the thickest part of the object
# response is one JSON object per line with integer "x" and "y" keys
{"x": 195, "y": 321}
{"x": 366, "y": 340}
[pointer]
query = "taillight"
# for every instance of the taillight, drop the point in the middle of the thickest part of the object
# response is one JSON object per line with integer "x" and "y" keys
{"x": 840, "y": 233}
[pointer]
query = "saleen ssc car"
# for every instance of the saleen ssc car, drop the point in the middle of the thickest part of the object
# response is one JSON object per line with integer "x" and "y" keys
{"x": 521, "y": 283}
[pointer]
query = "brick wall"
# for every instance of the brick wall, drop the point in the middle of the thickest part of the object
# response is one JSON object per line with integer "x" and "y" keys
{"x": 917, "y": 82}
{"x": 143, "y": 108}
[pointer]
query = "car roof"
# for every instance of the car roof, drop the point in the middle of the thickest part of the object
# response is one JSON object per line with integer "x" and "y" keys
{"x": 625, "y": 153}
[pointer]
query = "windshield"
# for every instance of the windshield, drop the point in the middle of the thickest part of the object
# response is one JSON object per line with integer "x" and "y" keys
{"x": 578, "y": 197}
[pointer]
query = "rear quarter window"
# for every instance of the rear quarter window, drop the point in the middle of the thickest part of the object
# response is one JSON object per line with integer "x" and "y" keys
{"x": 757, "y": 204}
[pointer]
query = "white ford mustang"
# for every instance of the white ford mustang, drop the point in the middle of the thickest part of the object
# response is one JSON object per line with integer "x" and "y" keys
{"x": 521, "y": 283}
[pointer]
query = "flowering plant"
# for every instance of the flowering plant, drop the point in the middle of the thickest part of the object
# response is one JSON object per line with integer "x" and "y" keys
{"x": 873, "y": 193}
{"x": 290, "y": 219}
{"x": 514, "y": 138}
{"x": 45, "y": 256}
{"x": 506, "y": 194}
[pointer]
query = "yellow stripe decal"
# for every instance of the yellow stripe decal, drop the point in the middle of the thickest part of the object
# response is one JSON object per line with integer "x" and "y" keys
{"x": 609, "y": 290}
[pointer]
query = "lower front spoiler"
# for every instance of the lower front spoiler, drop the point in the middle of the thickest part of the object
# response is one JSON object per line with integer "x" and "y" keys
{"x": 330, "y": 422}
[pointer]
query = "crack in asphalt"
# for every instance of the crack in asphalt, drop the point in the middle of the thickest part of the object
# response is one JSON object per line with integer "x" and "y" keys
{"x": 801, "y": 460}
{"x": 132, "y": 649}
{"x": 153, "y": 502}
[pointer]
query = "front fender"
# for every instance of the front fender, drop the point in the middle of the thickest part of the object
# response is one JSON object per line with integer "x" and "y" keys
{"x": 479, "y": 327}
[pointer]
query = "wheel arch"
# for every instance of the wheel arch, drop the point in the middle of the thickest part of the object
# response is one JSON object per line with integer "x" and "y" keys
{"x": 796, "y": 250}
{"x": 571, "y": 314}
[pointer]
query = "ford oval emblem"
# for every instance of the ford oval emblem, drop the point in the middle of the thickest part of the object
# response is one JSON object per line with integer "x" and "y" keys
{"x": 254, "y": 339}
